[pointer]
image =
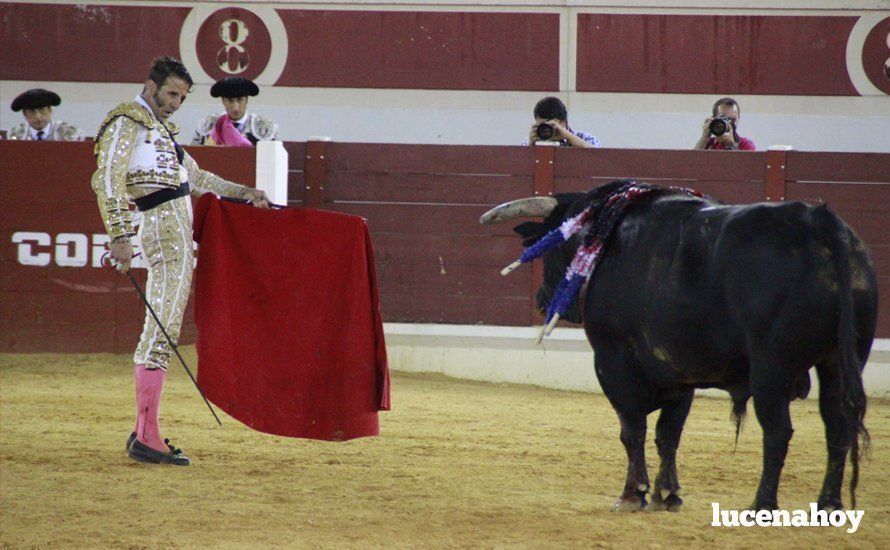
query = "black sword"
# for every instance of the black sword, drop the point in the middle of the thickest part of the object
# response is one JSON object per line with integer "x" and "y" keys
{"x": 172, "y": 345}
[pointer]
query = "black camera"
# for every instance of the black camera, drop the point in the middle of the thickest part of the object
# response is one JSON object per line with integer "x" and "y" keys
{"x": 545, "y": 131}
{"x": 720, "y": 125}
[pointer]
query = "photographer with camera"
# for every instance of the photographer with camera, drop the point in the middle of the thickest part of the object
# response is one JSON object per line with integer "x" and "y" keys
{"x": 552, "y": 125}
{"x": 720, "y": 131}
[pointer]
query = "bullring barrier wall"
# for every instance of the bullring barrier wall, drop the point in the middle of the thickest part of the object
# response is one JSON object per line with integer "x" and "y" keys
{"x": 446, "y": 307}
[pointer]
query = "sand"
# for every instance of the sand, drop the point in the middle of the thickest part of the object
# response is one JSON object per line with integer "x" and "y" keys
{"x": 458, "y": 464}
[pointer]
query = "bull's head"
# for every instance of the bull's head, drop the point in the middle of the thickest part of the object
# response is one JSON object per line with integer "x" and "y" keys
{"x": 554, "y": 210}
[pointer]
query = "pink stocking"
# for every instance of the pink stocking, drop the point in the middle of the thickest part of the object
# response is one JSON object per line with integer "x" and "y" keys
{"x": 149, "y": 385}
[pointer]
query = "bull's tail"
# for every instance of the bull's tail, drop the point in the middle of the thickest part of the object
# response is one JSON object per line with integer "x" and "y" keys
{"x": 852, "y": 391}
{"x": 739, "y": 411}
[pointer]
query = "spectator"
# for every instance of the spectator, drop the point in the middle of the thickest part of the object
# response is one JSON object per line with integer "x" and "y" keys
{"x": 235, "y": 127}
{"x": 552, "y": 124}
{"x": 37, "y": 107}
{"x": 720, "y": 130}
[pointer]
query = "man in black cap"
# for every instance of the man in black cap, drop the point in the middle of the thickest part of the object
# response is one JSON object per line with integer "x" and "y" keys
{"x": 235, "y": 127}
{"x": 37, "y": 107}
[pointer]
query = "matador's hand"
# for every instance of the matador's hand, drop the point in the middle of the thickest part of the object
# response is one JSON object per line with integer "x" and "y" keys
{"x": 121, "y": 253}
{"x": 256, "y": 197}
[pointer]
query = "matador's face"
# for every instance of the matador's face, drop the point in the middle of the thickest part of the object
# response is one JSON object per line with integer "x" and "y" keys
{"x": 168, "y": 98}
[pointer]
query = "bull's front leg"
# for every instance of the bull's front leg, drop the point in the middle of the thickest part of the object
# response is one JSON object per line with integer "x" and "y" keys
{"x": 633, "y": 436}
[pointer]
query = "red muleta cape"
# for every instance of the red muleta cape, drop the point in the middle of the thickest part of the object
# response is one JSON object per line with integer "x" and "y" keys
{"x": 290, "y": 338}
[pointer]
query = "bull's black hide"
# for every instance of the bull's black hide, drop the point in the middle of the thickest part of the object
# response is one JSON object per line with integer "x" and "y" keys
{"x": 691, "y": 293}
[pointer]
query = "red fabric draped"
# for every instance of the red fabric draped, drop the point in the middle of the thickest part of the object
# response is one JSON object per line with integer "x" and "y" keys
{"x": 290, "y": 339}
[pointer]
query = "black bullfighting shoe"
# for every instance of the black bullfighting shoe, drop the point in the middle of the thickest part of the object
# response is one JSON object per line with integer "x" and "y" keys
{"x": 140, "y": 452}
{"x": 130, "y": 441}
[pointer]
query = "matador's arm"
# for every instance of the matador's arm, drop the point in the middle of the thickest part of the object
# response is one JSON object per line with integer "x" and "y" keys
{"x": 114, "y": 149}
{"x": 203, "y": 181}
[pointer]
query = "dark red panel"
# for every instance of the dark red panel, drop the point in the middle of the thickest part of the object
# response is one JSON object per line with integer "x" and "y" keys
{"x": 296, "y": 161}
{"x": 388, "y": 158}
{"x": 431, "y": 219}
{"x": 429, "y": 50}
{"x": 456, "y": 280}
{"x": 426, "y": 188}
{"x": 654, "y": 164}
{"x": 86, "y": 43}
{"x": 874, "y": 55}
{"x": 705, "y": 54}
{"x": 839, "y": 167}
{"x": 236, "y": 164}
{"x": 424, "y": 308}
{"x": 446, "y": 250}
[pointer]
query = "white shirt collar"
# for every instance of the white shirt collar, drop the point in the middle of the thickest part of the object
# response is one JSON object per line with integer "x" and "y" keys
{"x": 241, "y": 120}
{"x": 46, "y": 131}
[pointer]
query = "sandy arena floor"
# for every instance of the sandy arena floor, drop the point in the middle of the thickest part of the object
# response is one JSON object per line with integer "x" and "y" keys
{"x": 458, "y": 464}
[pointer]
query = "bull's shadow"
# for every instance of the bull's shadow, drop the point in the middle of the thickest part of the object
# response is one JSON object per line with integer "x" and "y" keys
{"x": 687, "y": 293}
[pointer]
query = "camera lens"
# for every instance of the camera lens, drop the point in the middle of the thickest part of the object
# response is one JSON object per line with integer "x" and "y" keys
{"x": 719, "y": 126}
{"x": 544, "y": 131}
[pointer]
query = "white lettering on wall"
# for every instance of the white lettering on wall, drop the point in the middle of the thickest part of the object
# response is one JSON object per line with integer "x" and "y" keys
{"x": 70, "y": 250}
{"x": 25, "y": 240}
{"x": 65, "y": 256}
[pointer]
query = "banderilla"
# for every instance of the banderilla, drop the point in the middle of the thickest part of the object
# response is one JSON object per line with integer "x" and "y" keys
{"x": 172, "y": 345}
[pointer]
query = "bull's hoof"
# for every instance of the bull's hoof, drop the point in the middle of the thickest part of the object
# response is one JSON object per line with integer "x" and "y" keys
{"x": 633, "y": 503}
{"x": 671, "y": 504}
{"x": 830, "y": 504}
{"x": 757, "y": 506}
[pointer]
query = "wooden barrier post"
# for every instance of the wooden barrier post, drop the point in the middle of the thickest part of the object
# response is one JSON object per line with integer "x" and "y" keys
{"x": 774, "y": 180}
{"x": 314, "y": 172}
{"x": 543, "y": 187}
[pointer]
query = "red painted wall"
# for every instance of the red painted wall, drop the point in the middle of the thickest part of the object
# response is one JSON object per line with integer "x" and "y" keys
{"x": 449, "y": 50}
{"x": 710, "y": 54}
{"x": 83, "y": 43}
{"x": 443, "y": 50}
{"x": 81, "y": 307}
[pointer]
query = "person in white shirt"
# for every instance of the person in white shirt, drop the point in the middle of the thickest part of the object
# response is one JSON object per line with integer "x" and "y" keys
{"x": 235, "y": 127}
{"x": 36, "y": 106}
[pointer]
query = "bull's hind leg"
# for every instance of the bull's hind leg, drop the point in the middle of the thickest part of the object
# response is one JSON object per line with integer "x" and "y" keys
{"x": 771, "y": 387}
{"x": 666, "y": 495}
{"x": 837, "y": 434}
{"x": 633, "y": 436}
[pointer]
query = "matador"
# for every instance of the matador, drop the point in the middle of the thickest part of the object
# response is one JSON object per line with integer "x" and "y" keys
{"x": 140, "y": 162}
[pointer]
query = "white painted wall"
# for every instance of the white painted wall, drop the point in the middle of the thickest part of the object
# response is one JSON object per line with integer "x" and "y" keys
{"x": 649, "y": 121}
{"x": 563, "y": 361}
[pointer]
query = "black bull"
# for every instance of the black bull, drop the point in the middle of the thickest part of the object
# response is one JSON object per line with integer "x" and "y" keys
{"x": 690, "y": 293}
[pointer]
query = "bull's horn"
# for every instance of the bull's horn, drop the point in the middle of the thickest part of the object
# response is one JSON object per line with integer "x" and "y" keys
{"x": 547, "y": 329}
{"x": 532, "y": 207}
{"x": 511, "y": 267}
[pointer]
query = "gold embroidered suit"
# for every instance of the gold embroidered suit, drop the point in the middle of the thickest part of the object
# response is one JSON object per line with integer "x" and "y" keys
{"x": 136, "y": 156}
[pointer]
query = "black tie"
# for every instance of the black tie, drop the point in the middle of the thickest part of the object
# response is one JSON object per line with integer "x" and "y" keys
{"x": 40, "y": 135}
{"x": 239, "y": 125}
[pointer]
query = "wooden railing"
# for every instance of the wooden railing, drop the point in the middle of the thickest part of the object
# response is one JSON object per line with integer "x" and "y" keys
{"x": 434, "y": 261}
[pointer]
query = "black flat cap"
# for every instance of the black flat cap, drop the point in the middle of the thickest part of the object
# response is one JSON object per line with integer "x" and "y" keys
{"x": 35, "y": 99}
{"x": 234, "y": 86}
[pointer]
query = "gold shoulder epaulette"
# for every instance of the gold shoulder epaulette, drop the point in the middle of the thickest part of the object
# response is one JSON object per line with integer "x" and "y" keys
{"x": 132, "y": 110}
